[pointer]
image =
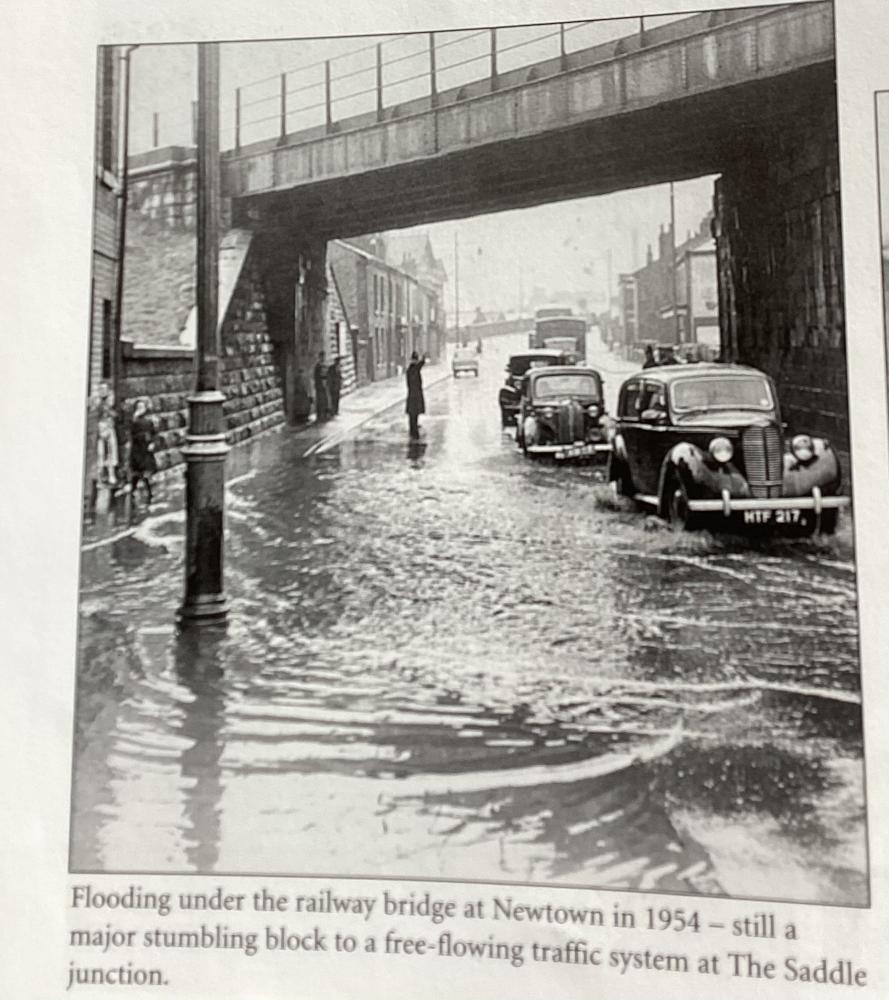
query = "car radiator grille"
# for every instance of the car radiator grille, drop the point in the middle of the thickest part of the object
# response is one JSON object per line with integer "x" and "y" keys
{"x": 570, "y": 423}
{"x": 764, "y": 460}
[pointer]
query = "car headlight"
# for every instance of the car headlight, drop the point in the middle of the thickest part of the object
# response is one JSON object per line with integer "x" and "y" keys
{"x": 721, "y": 450}
{"x": 547, "y": 412}
{"x": 608, "y": 426}
{"x": 803, "y": 448}
{"x": 592, "y": 410}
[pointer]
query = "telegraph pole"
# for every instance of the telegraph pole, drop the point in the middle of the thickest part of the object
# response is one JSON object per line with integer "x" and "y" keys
{"x": 673, "y": 265}
{"x": 205, "y": 602}
{"x": 456, "y": 289}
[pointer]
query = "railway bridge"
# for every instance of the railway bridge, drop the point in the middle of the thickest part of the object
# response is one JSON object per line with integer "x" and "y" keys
{"x": 748, "y": 95}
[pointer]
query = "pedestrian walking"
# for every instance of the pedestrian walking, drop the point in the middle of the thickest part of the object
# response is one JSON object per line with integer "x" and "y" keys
{"x": 322, "y": 409}
{"x": 416, "y": 404}
{"x": 334, "y": 385}
{"x": 143, "y": 464}
{"x": 649, "y": 361}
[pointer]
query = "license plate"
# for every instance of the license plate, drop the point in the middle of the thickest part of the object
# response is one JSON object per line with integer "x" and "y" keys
{"x": 578, "y": 451}
{"x": 792, "y": 515}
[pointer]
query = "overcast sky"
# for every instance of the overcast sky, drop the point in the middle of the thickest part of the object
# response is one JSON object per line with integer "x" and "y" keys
{"x": 561, "y": 246}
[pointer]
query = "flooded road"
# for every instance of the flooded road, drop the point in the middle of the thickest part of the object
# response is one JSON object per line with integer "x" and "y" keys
{"x": 446, "y": 660}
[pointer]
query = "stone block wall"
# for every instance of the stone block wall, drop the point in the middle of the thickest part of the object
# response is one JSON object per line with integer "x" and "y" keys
{"x": 163, "y": 186}
{"x": 779, "y": 261}
{"x": 166, "y": 376}
{"x": 251, "y": 380}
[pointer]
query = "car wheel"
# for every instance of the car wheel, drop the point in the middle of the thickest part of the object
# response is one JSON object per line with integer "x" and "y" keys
{"x": 619, "y": 475}
{"x": 678, "y": 511}
{"x": 829, "y": 520}
{"x": 520, "y": 439}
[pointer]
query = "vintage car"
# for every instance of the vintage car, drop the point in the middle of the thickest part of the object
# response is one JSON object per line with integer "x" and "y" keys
{"x": 562, "y": 413}
{"x": 517, "y": 367}
{"x": 704, "y": 445}
{"x": 465, "y": 359}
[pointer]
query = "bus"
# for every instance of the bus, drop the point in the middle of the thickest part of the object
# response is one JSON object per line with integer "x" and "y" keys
{"x": 561, "y": 332}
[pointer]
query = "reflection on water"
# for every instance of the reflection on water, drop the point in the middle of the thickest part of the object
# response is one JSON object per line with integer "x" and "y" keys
{"x": 458, "y": 665}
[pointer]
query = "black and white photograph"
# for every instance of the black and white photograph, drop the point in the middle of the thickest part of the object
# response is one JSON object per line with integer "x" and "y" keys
{"x": 467, "y": 482}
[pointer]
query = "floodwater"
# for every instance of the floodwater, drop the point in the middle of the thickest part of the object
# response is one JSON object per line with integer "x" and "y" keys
{"x": 446, "y": 660}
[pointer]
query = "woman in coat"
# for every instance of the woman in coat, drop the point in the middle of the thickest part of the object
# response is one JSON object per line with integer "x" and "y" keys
{"x": 415, "y": 403}
{"x": 142, "y": 461}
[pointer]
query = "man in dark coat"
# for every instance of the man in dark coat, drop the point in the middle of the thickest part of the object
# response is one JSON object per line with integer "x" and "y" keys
{"x": 415, "y": 403}
{"x": 322, "y": 410}
{"x": 649, "y": 361}
{"x": 334, "y": 385}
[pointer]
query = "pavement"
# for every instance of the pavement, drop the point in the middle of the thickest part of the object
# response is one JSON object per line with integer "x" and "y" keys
{"x": 363, "y": 405}
{"x": 356, "y": 409}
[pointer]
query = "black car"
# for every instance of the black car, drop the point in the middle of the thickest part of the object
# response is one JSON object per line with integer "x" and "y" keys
{"x": 517, "y": 367}
{"x": 562, "y": 413}
{"x": 704, "y": 443}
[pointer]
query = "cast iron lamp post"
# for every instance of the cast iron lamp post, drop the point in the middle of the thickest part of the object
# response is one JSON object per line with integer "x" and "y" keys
{"x": 205, "y": 602}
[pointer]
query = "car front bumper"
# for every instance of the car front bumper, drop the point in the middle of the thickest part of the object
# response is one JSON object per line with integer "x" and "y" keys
{"x": 728, "y": 505}
{"x": 579, "y": 449}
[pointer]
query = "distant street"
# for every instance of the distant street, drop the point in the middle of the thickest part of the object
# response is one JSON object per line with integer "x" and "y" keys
{"x": 417, "y": 628}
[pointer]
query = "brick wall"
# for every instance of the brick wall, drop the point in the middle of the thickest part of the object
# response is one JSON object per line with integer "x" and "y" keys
{"x": 159, "y": 280}
{"x": 779, "y": 253}
{"x": 104, "y": 279}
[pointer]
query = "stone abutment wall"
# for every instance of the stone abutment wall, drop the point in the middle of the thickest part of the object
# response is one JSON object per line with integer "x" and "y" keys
{"x": 779, "y": 251}
{"x": 251, "y": 379}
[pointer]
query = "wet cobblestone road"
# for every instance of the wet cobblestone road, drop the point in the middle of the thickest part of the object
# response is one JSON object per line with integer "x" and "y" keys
{"x": 445, "y": 660}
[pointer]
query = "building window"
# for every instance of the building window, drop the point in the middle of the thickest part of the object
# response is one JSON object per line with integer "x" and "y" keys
{"x": 106, "y": 109}
{"x": 106, "y": 339}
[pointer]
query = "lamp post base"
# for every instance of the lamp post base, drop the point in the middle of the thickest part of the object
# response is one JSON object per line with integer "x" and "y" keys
{"x": 204, "y": 602}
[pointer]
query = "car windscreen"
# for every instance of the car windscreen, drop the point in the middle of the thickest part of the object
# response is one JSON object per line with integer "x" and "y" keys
{"x": 727, "y": 392}
{"x": 464, "y": 354}
{"x": 562, "y": 385}
{"x": 567, "y": 328}
{"x": 520, "y": 365}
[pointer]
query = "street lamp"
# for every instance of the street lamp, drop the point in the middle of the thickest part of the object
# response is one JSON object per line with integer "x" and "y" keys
{"x": 205, "y": 602}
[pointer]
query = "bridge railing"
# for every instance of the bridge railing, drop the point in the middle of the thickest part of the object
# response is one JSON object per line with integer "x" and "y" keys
{"x": 389, "y": 72}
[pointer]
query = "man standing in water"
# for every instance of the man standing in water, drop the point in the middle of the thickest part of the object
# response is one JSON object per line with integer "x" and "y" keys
{"x": 415, "y": 402}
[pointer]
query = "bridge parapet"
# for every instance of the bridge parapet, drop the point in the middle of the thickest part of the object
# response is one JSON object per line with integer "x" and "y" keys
{"x": 554, "y": 95}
